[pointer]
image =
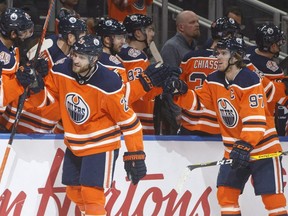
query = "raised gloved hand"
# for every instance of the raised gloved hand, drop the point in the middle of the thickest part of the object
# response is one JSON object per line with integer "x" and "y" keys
{"x": 37, "y": 85}
{"x": 41, "y": 66}
{"x": 25, "y": 76}
{"x": 134, "y": 165}
{"x": 156, "y": 74}
{"x": 29, "y": 78}
{"x": 175, "y": 86}
{"x": 240, "y": 154}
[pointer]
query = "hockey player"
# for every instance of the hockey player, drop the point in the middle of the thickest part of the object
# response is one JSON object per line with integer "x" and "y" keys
{"x": 195, "y": 66}
{"x": 238, "y": 98}
{"x": 67, "y": 9}
{"x": 15, "y": 27}
{"x": 113, "y": 36}
{"x": 95, "y": 113}
{"x": 135, "y": 59}
{"x": 269, "y": 39}
{"x": 55, "y": 48}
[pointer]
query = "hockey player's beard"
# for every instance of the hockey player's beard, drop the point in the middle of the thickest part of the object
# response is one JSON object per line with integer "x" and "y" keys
{"x": 81, "y": 70}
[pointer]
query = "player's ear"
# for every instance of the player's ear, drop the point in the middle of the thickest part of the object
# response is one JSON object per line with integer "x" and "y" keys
{"x": 13, "y": 34}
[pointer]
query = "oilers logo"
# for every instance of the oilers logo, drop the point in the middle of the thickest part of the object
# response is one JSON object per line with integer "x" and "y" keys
{"x": 77, "y": 108}
{"x": 227, "y": 112}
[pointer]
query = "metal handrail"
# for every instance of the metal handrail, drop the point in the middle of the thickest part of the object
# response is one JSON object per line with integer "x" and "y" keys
{"x": 207, "y": 23}
{"x": 266, "y": 7}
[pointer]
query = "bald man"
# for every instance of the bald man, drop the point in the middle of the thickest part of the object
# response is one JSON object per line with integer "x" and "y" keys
{"x": 173, "y": 51}
{"x": 187, "y": 27}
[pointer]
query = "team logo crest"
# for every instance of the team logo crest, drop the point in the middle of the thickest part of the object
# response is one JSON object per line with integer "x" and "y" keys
{"x": 108, "y": 22}
{"x": 72, "y": 20}
{"x": 77, "y": 108}
{"x": 134, "y": 53}
{"x": 272, "y": 65}
{"x": 114, "y": 59}
{"x": 227, "y": 112}
{"x": 133, "y": 18}
{"x": 5, "y": 57}
{"x": 13, "y": 16}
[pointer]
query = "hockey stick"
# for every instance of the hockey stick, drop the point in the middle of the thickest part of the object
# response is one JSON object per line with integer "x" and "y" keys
{"x": 284, "y": 63}
{"x": 155, "y": 52}
{"x": 229, "y": 161}
{"x": 23, "y": 97}
{"x": 190, "y": 168}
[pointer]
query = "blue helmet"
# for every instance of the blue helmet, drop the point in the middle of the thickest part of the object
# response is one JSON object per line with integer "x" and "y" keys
{"x": 234, "y": 45}
{"x": 16, "y": 19}
{"x": 224, "y": 27}
{"x": 268, "y": 34}
{"x": 109, "y": 26}
{"x": 136, "y": 21}
{"x": 89, "y": 45}
{"x": 71, "y": 24}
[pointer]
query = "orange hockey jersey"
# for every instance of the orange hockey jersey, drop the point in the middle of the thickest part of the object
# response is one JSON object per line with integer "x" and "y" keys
{"x": 241, "y": 110}
{"x": 43, "y": 118}
{"x": 127, "y": 7}
{"x": 135, "y": 62}
{"x": 10, "y": 88}
{"x": 96, "y": 113}
{"x": 196, "y": 66}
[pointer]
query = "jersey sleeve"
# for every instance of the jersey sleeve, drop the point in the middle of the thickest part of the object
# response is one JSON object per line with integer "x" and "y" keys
{"x": 195, "y": 99}
{"x": 117, "y": 107}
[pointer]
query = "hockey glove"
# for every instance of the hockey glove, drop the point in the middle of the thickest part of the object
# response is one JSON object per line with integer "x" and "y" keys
{"x": 41, "y": 66}
{"x": 240, "y": 154}
{"x": 25, "y": 76}
{"x": 175, "y": 86}
{"x": 134, "y": 164}
{"x": 38, "y": 85}
{"x": 156, "y": 74}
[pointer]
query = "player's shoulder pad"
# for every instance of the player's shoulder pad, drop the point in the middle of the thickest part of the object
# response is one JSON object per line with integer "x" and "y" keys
{"x": 63, "y": 66}
{"x": 197, "y": 53}
{"x": 129, "y": 54}
{"x": 106, "y": 79}
{"x": 111, "y": 60}
{"x": 6, "y": 56}
{"x": 246, "y": 78}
